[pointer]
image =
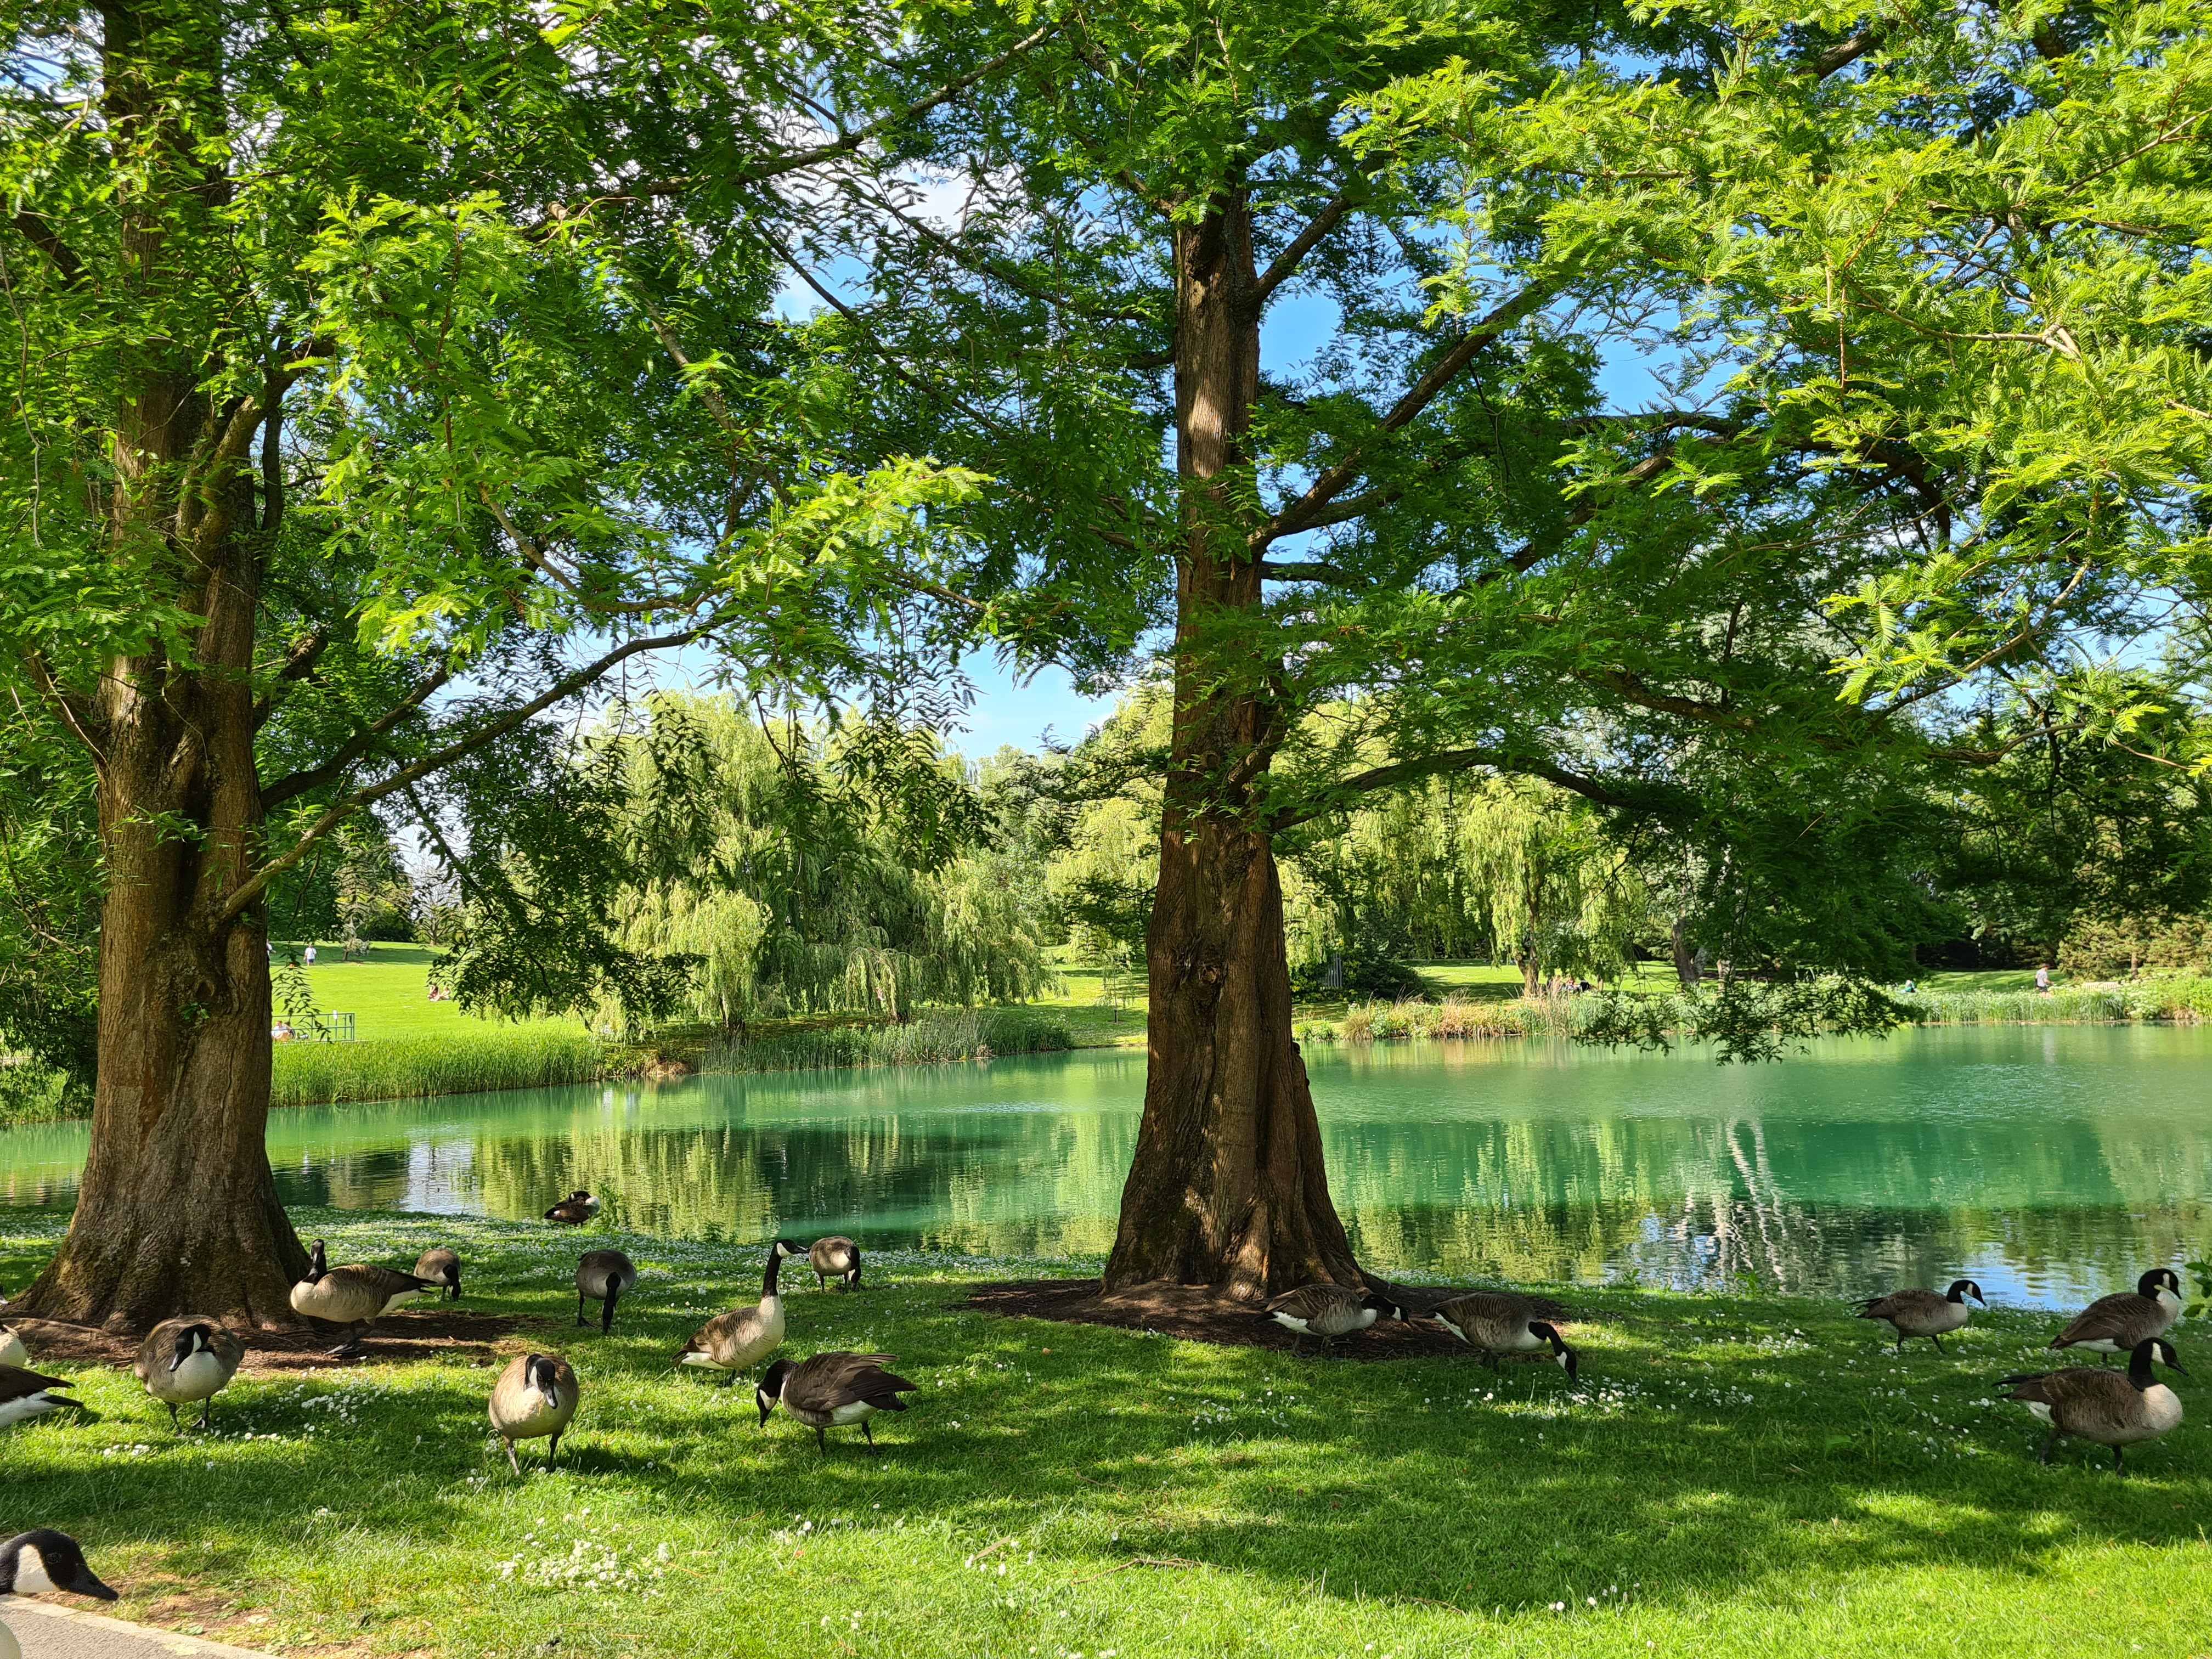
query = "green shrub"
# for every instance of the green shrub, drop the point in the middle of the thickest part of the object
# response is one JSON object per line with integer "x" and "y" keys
{"x": 1314, "y": 1030}
{"x": 928, "y": 1038}
{"x": 32, "y": 1093}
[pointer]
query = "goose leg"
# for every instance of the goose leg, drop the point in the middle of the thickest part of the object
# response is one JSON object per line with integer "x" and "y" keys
{"x": 1900, "y": 1348}
{"x": 580, "y": 1307}
{"x": 730, "y": 1381}
{"x": 2050, "y": 1446}
{"x": 173, "y": 1417}
{"x": 512, "y": 1462}
{"x": 552, "y": 1449}
{"x": 1938, "y": 1342}
{"x": 870, "y": 1434}
{"x": 2117, "y": 1466}
{"x": 207, "y": 1412}
{"x": 820, "y": 1440}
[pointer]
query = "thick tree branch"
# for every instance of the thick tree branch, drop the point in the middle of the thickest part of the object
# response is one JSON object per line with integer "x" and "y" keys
{"x": 33, "y": 227}
{"x": 1285, "y": 266}
{"x": 356, "y": 747}
{"x": 1301, "y": 513}
{"x": 250, "y": 891}
{"x": 299, "y": 663}
{"x": 1339, "y": 795}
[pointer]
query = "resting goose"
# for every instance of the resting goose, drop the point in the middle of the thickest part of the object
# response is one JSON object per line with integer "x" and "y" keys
{"x": 12, "y": 1351}
{"x": 602, "y": 1276}
{"x": 2121, "y": 1323}
{"x": 186, "y": 1360}
{"x": 2103, "y": 1406}
{"x": 1923, "y": 1313}
{"x": 730, "y": 1342}
{"x": 355, "y": 1295}
{"x": 836, "y": 1257}
{"x": 1496, "y": 1323}
{"x": 535, "y": 1395}
{"x": 1330, "y": 1312}
{"x": 833, "y": 1391}
{"x": 575, "y": 1210}
{"x": 33, "y": 1563}
{"x": 25, "y": 1394}
{"x": 440, "y": 1265}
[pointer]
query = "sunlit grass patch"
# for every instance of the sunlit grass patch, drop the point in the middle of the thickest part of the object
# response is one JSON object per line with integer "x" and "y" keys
{"x": 1735, "y": 1474}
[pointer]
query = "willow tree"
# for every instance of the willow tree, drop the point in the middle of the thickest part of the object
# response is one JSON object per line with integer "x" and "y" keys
{"x": 1307, "y": 312}
{"x": 361, "y": 414}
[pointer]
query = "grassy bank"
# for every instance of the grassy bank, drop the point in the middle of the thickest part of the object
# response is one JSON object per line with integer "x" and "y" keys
{"x": 928, "y": 1038}
{"x": 479, "y": 1056}
{"x": 2183, "y": 999}
{"x": 1745, "y": 1476}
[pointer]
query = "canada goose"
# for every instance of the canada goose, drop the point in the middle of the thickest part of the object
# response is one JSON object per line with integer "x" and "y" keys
{"x": 837, "y": 1257}
{"x": 25, "y": 1394}
{"x": 833, "y": 1390}
{"x": 441, "y": 1266}
{"x": 603, "y": 1276}
{"x": 12, "y": 1351}
{"x": 1496, "y": 1322}
{"x": 33, "y": 1563}
{"x": 1327, "y": 1311}
{"x": 2121, "y": 1323}
{"x": 730, "y": 1342}
{"x": 2106, "y": 1408}
{"x": 575, "y": 1210}
{"x": 355, "y": 1295}
{"x": 186, "y": 1360}
{"x": 1923, "y": 1313}
{"x": 535, "y": 1395}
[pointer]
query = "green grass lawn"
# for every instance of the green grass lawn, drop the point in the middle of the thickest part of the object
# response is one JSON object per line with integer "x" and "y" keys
{"x": 1739, "y": 1475}
{"x": 387, "y": 996}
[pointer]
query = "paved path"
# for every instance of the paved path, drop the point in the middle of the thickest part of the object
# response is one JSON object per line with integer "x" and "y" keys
{"x": 49, "y": 1630}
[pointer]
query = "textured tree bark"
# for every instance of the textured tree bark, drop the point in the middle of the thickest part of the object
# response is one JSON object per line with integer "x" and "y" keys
{"x": 177, "y": 1210}
{"x": 1228, "y": 1187}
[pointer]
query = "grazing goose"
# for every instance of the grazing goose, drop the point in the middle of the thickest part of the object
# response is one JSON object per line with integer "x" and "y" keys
{"x": 1496, "y": 1323}
{"x": 26, "y": 1394}
{"x": 575, "y": 1210}
{"x": 837, "y": 1257}
{"x": 2104, "y": 1406}
{"x": 2121, "y": 1323}
{"x": 603, "y": 1276}
{"x": 12, "y": 1351}
{"x": 33, "y": 1563}
{"x": 188, "y": 1359}
{"x": 535, "y": 1395}
{"x": 355, "y": 1295}
{"x": 730, "y": 1342}
{"x": 1330, "y": 1312}
{"x": 1923, "y": 1313}
{"x": 441, "y": 1266}
{"x": 832, "y": 1391}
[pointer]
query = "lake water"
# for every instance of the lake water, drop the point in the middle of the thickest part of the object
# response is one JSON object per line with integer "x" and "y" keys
{"x": 2048, "y": 1163}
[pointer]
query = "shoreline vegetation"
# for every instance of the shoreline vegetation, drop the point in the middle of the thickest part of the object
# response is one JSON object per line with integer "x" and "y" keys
{"x": 481, "y": 1056}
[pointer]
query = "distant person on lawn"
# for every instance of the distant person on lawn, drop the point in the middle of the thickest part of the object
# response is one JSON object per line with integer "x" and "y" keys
{"x": 2043, "y": 977}
{"x": 311, "y": 956}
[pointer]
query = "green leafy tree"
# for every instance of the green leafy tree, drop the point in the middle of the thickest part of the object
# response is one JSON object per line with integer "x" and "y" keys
{"x": 1928, "y": 404}
{"x": 384, "y": 379}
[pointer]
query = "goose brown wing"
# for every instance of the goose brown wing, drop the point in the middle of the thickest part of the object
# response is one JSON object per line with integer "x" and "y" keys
{"x": 1901, "y": 1302}
{"x": 2122, "y": 1320}
{"x": 2083, "y": 1393}
{"x": 16, "y": 1383}
{"x": 1484, "y": 1307}
{"x": 830, "y": 1380}
{"x": 1311, "y": 1302}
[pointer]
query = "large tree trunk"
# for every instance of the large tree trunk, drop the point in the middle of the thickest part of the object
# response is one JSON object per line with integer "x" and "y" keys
{"x": 1228, "y": 1187}
{"x": 177, "y": 1210}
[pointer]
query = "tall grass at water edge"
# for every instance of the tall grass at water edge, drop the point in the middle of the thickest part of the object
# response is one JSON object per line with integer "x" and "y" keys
{"x": 926, "y": 1039}
{"x": 2180, "y": 1000}
{"x": 528, "y": 1057}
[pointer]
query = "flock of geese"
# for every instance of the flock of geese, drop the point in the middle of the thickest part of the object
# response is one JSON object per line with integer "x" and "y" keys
{"x": 189, "y": 1360}
{"x": 2103, "y": 1406}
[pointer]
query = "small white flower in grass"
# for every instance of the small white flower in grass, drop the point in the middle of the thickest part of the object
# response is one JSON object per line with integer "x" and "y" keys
{"x": 1591, "y": 1599}
{"x": 1558, "y": 1607}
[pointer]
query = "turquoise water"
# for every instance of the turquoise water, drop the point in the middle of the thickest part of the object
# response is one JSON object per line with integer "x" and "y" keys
{"x": 2050, "y": 1162}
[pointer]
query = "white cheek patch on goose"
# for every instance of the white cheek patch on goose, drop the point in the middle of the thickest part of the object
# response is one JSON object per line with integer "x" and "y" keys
{"x": 31, "y": 1574}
